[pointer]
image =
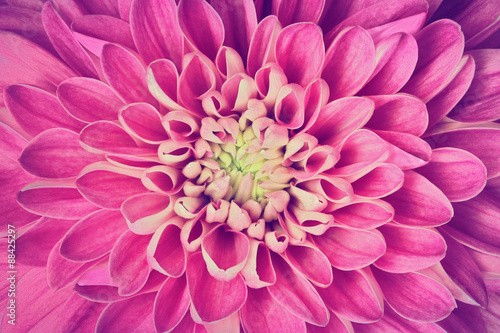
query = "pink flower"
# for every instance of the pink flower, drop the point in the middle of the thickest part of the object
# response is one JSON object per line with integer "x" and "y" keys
{"x": 266, "y": 166}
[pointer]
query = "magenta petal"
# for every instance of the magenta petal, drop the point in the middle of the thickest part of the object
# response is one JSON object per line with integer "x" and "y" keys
{"x": 213, "y": 299}
{"x": 379, "y": 182}
{"x": 240, "y": 22}
{"x": 171, "y": 304}
{"x": 36, "y": 110}
{"x": 415, "y": 296}
{"x": 128, "y": 265}
{"x": 66, "y": 44}
{"x": 165, "y": 251}
{"x": 458, "y": 173}
{"x": 365, "y": 214}
{"x": 335, "y": 324}
{"x": 464, "y": 272}
{"x": 202, "y": 26}
{"x": 93, "y": 31}
{"x": 441, "y": 104}
{"x": 146, "y": 212}
{"x": 131, "y": 315}
{"x": 300, "y": 52}
{"x": 398, "y": 56}
{"x": 420, "y": 203}
{"x": 406, "y": 151}
{"x": 54, "y": 200}
{"x": 338, "y": 119}
{"x": 262, "y": 46}
{"x": 56, "y": 153}
{"x": 34, "y": 246}
{"x": 476, "y": 223}
{"x": 354, "y": 295}
{"x": 410, "y": 249}
{"x": 349, "y": 249}
{"x": 156, "y": 31}
{"x": 296, "y": 294}
{"x": 441, "y": 45}
{"x": 311, "y": 262}
{"x": 399, "y": 113}
{"x": 144, "y": 121}
{"x": 300, "y": 11}
{"x": 41, "y": 68}
{"x": 108, "y": 189}
{"x": 225, "y": 252}
{"x": 481, "y": 100}
{"x": 349, "y": 62}
{"x": 79, "y": 314}
{"x": 262, "y": 310}
{"x": 125, "y": 74}
{"x": 79, "y": 244}
{"x": 89, "y": 100}
{"x": 482, "y": 142}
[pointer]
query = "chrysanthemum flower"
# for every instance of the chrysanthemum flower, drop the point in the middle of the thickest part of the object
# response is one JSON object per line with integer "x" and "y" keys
{"x": 266, "y": 166}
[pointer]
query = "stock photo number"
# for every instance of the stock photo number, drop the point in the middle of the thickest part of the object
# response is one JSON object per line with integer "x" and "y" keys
{"x": 11, "y": 274}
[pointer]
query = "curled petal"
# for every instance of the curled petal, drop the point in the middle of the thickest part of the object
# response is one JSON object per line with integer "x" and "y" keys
{"x": 144, "y": 213}
{"x": 237, "y": 91}
{"x": 192, "y": 233}
{"x": 229, "y": 62}
{"x": 333, "y": 189}
{"x": 175, "y": 154}
{"x": 144, "y": 121}
{"x": 289, "y": 107}
{"x": 163, "y": 179}
{"x": 162, "y": 79}
{"x": 165, "y": 251}
{"x": 258, "y": 270}
{"x": 269, "y": 79}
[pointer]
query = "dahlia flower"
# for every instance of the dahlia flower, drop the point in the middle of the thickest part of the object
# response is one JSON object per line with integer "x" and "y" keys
{"x": 250, "y": 166}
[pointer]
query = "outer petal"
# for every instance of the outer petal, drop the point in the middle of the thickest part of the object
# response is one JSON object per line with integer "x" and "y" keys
{"x": 79, "y": 314}
{"x": 415, "y": 296}
{"x": 300, "y": 52}
{"x": 420, "y": 203}
{"x": 171, "y": 304}
{"x": 143, "y": 121}
{"x": 262, "y": 310}
{"x": 410, "y": 249}
{"x": 146, "y": 212}
{"x": 311, "y": 262}
{"x": 213, "y": 299}
{"x": 56, "y": 153}
{"x": 296, "y": 294}
{"x": 156, "y": 31}
{"x": 350, "y": 61}
{"x": 262, "y": 46}
{"x": 165, "y": 251}
{"x": 300, "y": 11}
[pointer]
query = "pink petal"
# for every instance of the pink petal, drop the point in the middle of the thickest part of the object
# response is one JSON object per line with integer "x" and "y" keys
{"x": 66, "y": 44}
{"x": 213, "y": 299}
{"x": 171, "y": 304}
{"x": 181, "y": 126}
{"x": 467, "y": 318}
{"x": 144, "y": 121}
{"x": 406, "y": 151}
{"x": 165, "y": 251}
{"x": 317, "y": 94}
{"x": 70, "y": 10}
{"x": 175, "y": 154}
{"x": 125, "y": 74}
{"x": 335, "y": 324}
{"x": 420, "y": 203}
{"x": 89, "y": 100}
{"x": 269, "y": 80}
{"x": 131, "y": 315}
{"x": 296, "y": 46}
{"x": 349, "y": 249}
{"x": 399, "y": 113}
{"x": 296, "y": 294}
{"x": 239, "y": 23}
{"x": 36, "y": 110}
{"x": 163, "y": 179}
{"x": 107, "y": 188}
{"x": 258, "y": 271}
{"x": 311, "y": 262}
{"x": 410, "y": 249}
{"x": 80, "y": 244}
{"x": 479, "y": 141}
{"x": 225, "y": 252}
{"x": 128, "y": 264}
{"x": 93, "y": 31}
{"x": 440, "y": 50}
{"x": 262, "y": 310}
{"x": 62, "y": 272}
{"x": 54, "y": 199}
{"x": 262, "y": 45}
{"x": 79, "y": 314}
{"x": 398, "y": 55}
{"x": 338, "y": 119}
{"x": 289, "y": 107}
{"x": 366, "y": 214}
{"x": 460, "y": 80}
{"x": 146, "y": 212}
{"x": 237, "y": 91}
{"x": 202, "y": 26}
{"x": 41, "y": 69}
{"x": 475, "y": 223}
{"x": 379, "y": 182}
{"x": 162, "y": 79}
{"x": 229, "y": 62}
{"x": 156, "y": 31}
{"x": 415, "y": 297}
{"x": 349, "y": 62}
{"x": 481, "y": 99}
{"x": 458, "y": 173}
{"x": 56, "y": 153}
{"x": 34, "y": 246}
{"x": 355, "y": 296}
{"x": 300, "y": 11}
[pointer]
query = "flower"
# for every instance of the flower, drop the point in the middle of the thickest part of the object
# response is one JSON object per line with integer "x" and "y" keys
{"x": 275, "y": 166}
